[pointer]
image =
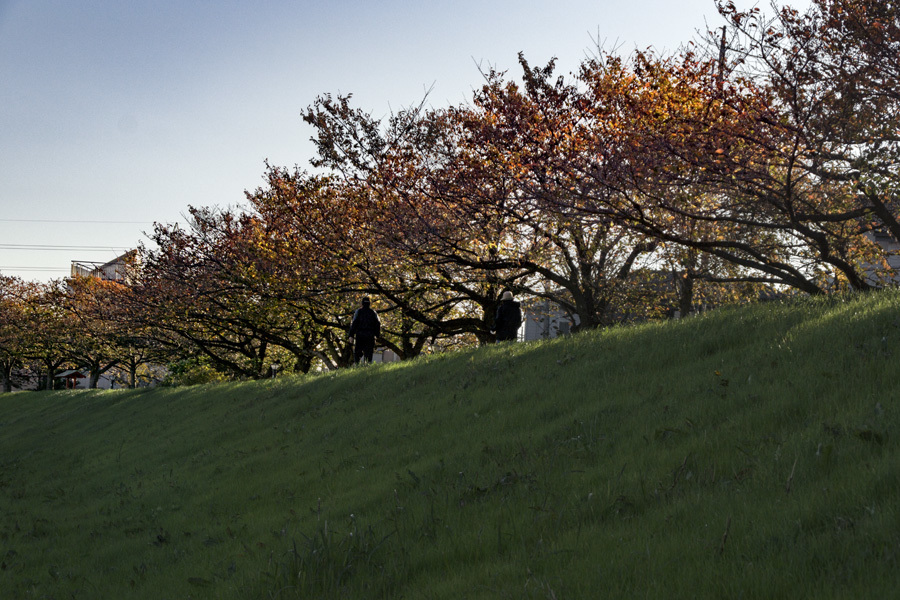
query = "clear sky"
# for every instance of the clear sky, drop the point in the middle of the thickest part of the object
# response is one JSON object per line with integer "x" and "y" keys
{"x": 118, "y": 113}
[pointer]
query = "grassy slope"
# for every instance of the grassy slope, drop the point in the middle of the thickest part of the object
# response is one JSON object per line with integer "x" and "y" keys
{"x": 749, "y": 453}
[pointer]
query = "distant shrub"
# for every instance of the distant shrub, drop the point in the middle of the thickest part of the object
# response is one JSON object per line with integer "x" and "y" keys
{"x": 191, "y": 371}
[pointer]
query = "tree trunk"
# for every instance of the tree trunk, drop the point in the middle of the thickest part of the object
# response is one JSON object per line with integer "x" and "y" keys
{"x": 6, "y": 371}
{"x": 132, "y": 375}
{"x": 132, "y": 371}
{"x": 51, "y": 375}
{"x": 684, "y": 283}
{"x": 52, "y": 366}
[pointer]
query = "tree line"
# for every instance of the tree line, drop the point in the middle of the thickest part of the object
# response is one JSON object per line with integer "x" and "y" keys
{"x": 760, "y": 159}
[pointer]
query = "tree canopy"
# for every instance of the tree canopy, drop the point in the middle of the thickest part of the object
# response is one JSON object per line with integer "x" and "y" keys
{"x": 760, "y": 160}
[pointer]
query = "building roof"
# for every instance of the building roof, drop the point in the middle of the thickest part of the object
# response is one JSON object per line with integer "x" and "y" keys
{"x": 71, "y": 373}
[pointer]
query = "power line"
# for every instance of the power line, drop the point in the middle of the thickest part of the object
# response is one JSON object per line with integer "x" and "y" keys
{"x": 8, "y": 268}
{"x": 69, "y": 221}
{"x": 60, "y": 247}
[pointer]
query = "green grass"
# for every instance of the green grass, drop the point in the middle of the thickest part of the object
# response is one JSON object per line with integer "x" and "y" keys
{"x": 748, "y": 453}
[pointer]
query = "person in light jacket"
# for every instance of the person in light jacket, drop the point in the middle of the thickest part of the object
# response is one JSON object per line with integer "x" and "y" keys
{"x": 508, "y": 318}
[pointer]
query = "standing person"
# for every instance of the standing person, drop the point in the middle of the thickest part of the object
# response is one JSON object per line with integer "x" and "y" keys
{"x": 365, "y": 327}
{"x": 508, "y": 318}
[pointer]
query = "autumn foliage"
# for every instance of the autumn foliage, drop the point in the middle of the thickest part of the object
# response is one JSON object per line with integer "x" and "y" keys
{"x": 759, "y": 161}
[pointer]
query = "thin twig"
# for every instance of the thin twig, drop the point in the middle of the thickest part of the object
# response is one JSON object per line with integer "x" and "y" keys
{"x": 787, "y": 488}
{"x": 725, "y": 536}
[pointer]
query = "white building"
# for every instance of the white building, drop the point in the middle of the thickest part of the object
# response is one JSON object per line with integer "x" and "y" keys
{"x": 544, "y": 320}
{"x": 118, "y": 269}
{"x": 892, "y": 252}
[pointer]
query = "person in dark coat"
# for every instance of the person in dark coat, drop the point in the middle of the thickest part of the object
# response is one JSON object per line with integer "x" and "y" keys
{"x": 365, "y": 327}
{"x": 508, "y": 318}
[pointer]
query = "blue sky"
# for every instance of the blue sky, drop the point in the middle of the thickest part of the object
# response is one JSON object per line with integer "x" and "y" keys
{"x": 115, "y": 114}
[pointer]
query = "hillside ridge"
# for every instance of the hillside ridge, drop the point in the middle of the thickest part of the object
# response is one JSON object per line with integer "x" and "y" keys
{"x": 748, "y": 452}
